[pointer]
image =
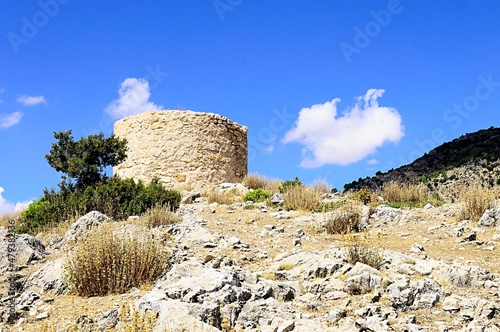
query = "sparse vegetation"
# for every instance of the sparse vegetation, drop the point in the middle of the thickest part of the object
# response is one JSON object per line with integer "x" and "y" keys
{"x": 289, "y": 184}
{"x": 357, "y": 252}
{"x": 399, "y": 195}
{"x": 273, "y": 186}
{"x": 329, "y": 206}
{"x": 364, "y": 195}
{"x": 321, "y": 186}
{"x": 107, "y": 262}
{"x": 118, "y": 198}
{"x": 222, "y": 197}
{"x": 344, "y": 220}
{"x": 285, "y": 267}
{"x": 255, "y": 181}
{"x": 475, "y": 201}
{"x": 478, "y": 151}
{"x": 257, "y": 195}
{"x": 301, "y": 197}
{"x": 159, "y": 215}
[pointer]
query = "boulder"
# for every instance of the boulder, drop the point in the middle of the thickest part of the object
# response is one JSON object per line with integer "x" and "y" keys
{"x": 191, "y": 279}
{"x": 490, "y": 218}
{"x": 80, "y": 230}
{"x": 20, "y": 249}
{"x": 49, "y": 278}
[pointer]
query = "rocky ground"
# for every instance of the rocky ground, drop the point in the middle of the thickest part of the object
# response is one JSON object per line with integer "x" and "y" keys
{"x": 259, "y": 268}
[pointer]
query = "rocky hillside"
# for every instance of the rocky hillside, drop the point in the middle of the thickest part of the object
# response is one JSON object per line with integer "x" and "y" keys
{"x": 251, "y": 267}
{"x": 470, "y": 158}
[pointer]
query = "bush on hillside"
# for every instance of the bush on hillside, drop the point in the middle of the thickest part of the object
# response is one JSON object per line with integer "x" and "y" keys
{"x": 363, "y": 195}
{"x": 288, "y": 184}
{"x": 344, "y": 220}
{"x": 475, "y": 201}
{"x": 117, "y": 198}
{"x": 257, "y": 195}
{"x": 106, "y": 262}
{"x": 300, "y": 197}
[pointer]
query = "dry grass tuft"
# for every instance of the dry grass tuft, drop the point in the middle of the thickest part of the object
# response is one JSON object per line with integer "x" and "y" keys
{"x": 273, "y": 186}
{"x": 227, "y": 197}
{"x": 358, "y": 252}
{"x": 255, "y": 181}
{"x": 285, "y": 267}
{"x": 344, "y": 220}
{"x": 409, "y": 195}
{"x": 396, "y": 192}
{"x": 106, "y": 263}
{"x": 321, "y": 186}
{"x": 159, "y": 216}
{"x": 476, "y": 200}
{"x": 302, "y": 198}
{"x": 5, "y": 218}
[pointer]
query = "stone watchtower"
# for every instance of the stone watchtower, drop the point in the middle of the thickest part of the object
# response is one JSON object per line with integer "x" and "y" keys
{"x": 183, "y": 148}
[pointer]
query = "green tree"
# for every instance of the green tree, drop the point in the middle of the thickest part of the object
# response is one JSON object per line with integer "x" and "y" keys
{"x": 85, "y": 160}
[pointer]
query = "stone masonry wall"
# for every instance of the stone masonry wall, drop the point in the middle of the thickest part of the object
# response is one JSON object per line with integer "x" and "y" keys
{"x": 183, "y": 148}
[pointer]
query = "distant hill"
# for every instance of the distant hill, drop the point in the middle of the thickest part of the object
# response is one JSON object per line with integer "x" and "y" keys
{"x": 471, "y": 158}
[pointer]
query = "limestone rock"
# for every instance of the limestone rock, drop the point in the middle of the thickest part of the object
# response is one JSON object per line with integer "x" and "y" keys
{"x": 490, "y": 218}
{"x": 80, "y": 229}
{"x": 26, "y": 250}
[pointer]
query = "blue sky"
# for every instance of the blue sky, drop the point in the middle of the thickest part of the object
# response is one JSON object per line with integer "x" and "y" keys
{"x": 328, "y": 89}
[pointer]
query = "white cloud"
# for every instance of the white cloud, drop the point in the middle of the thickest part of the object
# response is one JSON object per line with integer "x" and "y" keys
{"x": 372, "y": 161}
{"x": 331, "y": 139}
{"x": 10, "y": 120}
{"x": 31, "y": 100}
{"x": 11, "y": 208}
{"x": 134, "y": 98}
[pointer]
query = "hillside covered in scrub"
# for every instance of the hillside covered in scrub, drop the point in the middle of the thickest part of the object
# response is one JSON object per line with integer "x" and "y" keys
{"x": 472, "y": 157}
{"x": 263, "y": 255}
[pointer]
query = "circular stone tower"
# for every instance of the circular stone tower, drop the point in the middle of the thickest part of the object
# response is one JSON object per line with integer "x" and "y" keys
{"x": 184, "y": 149}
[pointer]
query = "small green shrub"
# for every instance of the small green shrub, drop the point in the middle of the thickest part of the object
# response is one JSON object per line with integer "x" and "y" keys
{"x": 257, "y": 195}
{"x": 363, "y": 195}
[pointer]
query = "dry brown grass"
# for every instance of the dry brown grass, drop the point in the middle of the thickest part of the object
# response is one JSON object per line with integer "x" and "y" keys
{"x": 301, "y": 198}
{"x": 476, "y": 200}
{"x": 403, "y": 193}
{"x": 321, "y": 186}
{"x": 344, "y": 220}
{"x": 159, "y": 216}
{"x": 356, "y": 251}
{"x": 255, "y": 181}
{"x": 129, "y": 320}
{"x": 5, "y": 218}
{"x": 107, "y": 263}
{"x": 227, "y": 197}
{"x": 272, "y": 186}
